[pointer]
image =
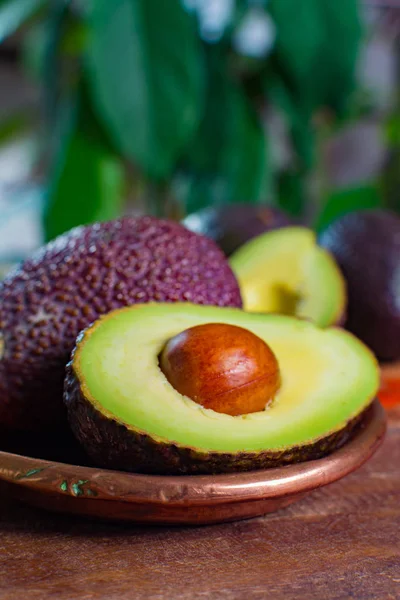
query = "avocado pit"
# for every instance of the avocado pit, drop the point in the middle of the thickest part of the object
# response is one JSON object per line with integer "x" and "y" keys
{"x": 222, "y": 367}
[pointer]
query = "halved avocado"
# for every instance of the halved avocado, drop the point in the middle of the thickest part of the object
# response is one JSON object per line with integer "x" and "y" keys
{"x": 285, "y": 271}
{"x": 127, "y": 416}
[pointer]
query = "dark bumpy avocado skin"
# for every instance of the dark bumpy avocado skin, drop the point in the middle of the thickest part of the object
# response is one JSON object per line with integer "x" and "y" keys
{"x": 110, "y": 444}
{"x": 231, "y": 226}
{"x": 366, "y": 245}
{"x": 64, "y": 287}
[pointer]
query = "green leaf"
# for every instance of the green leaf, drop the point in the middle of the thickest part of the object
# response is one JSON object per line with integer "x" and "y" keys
{"x": 337, "y": 66}
{"x": 88, "y": 178}
{"x": 33, "y": 51}
{"x": 291, "y": 195}
{"x": 145, "y": 67}
{"x": 53, "y": 70}
{"x": 227, "y": 160}
{"x": 316, "y": 49}
{"x": 14, "y": 13}
{"x": 14, "y": 125}
{"x": 390, "y": 180}
{"x": 340, "y": 202}
{"x": 392, "y": 128}
{"x": 390, "y": 175}
{"x": 59, "y": 42}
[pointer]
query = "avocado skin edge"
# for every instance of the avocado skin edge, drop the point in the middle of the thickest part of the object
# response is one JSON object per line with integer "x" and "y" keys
{"x": 112, "y": 445}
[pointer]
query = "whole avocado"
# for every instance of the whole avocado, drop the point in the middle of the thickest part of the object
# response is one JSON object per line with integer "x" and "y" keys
{"x": 232, "y": 225}
{"x": 69, "y": 283}
{"x": 366, "y": 245}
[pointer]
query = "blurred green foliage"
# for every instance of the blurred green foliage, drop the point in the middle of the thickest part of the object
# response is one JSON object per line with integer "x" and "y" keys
{"x": 157, "y": 89}
{"x": 340, "y": 202}
{"x": 14, "y": 13}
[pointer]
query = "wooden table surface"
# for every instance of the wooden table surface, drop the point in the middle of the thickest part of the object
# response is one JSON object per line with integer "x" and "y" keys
{"x": 342, "y": 541}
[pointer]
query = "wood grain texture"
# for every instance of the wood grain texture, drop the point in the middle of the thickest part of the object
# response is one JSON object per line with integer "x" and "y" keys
{"x": 341, "y": 542}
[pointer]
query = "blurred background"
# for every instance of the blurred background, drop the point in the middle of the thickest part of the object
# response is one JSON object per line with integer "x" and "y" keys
{"x": 111, "y": 107}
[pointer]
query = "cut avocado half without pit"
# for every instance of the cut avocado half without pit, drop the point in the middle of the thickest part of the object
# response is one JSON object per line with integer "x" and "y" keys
{"x": 128, "y": 416}
{"x": 285, "y": 271}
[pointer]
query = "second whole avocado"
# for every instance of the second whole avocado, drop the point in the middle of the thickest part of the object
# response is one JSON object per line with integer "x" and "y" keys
{"x": 366, "y": 245}
{"x": 232, "y": 225}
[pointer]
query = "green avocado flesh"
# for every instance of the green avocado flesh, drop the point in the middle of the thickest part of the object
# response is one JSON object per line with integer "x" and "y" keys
{"x": 328, "y": 378}
{"x": 284, "y": 271}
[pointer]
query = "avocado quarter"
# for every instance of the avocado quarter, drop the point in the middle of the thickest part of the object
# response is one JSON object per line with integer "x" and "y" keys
{"x": 127, "y": 416}
{"x": 286, "y": 271}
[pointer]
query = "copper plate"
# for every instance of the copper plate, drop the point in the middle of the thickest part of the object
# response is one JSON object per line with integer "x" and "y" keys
{"x": 188, "y": 499}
